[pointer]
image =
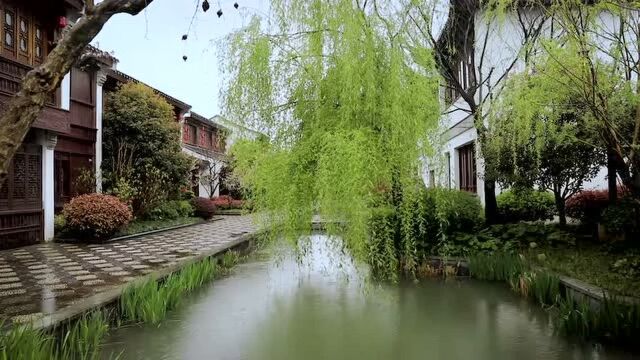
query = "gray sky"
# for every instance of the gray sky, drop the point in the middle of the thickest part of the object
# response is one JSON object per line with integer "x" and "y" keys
{"x": 150, "y": 48}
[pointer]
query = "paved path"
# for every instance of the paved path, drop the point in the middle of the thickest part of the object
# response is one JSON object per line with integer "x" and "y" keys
{"x": 39, "y": 280}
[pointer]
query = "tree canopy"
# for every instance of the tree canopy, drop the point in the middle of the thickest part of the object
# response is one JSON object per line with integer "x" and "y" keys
{"x": 142, "y": 144}
{"x": 348, "y": 106}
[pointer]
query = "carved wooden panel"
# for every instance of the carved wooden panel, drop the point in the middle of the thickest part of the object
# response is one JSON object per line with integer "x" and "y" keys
{"x": 20, "y": 229}
{"x": 23, "y": 187}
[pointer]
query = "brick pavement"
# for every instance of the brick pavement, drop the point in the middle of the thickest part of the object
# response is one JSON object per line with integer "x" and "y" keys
{"x": 39, "y": 280}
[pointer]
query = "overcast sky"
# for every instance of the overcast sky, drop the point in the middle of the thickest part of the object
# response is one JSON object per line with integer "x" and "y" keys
{"x": 150, "y": 48}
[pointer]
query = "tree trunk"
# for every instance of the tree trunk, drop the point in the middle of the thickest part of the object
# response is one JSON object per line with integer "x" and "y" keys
{"x": 490, "y": 203}
{"x": 612, "y": 177}
{"x": 27, "y": 104}
{"x": 560, "y": 206}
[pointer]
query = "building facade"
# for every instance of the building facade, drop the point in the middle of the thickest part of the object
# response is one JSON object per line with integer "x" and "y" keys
{"x": 64, "y": 141}
{"x": 484, "y": 50}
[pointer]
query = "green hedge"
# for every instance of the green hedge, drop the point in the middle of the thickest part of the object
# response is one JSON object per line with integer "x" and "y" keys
{"x": 171, "y": 210}
{"x": 526, "y": 205}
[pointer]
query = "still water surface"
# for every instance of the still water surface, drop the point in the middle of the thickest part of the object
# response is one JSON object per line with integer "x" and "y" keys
{"x": 273, "y": 307}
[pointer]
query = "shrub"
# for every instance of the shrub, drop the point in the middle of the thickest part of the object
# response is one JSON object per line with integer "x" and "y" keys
{"x": 588, "y": 205}
{"x": 171, "y": 210}
{"x": 621, "y": 218}
{"x": 204, "y": 208}
{"x": 96, "y": 216}
{"x": 59, "y": 223}
{"x": 526, "y": 205}
{"x": 227, "y": 202}
{"x": 453, "y": 210}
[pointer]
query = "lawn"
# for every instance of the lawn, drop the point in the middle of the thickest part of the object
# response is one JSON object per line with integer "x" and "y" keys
{"x": 594, "y": 265}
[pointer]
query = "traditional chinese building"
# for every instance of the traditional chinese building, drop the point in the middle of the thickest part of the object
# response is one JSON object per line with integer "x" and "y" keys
{"x": 205, "y": 140}
{"x": 65, "y": 140}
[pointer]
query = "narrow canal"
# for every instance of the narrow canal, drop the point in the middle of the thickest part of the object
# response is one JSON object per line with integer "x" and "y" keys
{"x": 272, "y": 307}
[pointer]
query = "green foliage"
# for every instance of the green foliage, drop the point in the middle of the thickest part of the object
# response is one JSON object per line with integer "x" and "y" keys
{"x": 171, "y": 210}
{"x": 539, "y": 285}
{"x": 150, "y": 301}
{"x": 622, "y": 218}
{"x": 423, "y": 224}
{"x": 59, "y": 223}
{"x": 143, "y": 161}
{"x": 612, "y": 320}
{"x": 456, "y": 210}
{"x": 78, "y": 340}
{"x": 347, "y": 105}
{"x": 496, "y": 266}
{"x": 525, "y": 205}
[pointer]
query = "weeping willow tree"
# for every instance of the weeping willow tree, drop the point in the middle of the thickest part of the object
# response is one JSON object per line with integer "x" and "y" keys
{"x": 347, "y": 106}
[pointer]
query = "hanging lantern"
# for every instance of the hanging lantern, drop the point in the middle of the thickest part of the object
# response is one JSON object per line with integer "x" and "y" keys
{"x": 184, "y": 57}
{"x": 205, "y": 5}
{"x": 62, "y": 22}
{"x": 184, "y": 37}
{"x": 235, "y": 5}
{"x": 219, "y": 13}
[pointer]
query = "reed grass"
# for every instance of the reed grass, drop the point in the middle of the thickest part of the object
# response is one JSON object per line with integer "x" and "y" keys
{"x": 150, "y": 301}
{"x": 78, "y": 340}
{"x": 539, "y": 285}
{"x": 612, "y": 320}
{"x": 81, "y": 338}
{"x": 496, "y": 267}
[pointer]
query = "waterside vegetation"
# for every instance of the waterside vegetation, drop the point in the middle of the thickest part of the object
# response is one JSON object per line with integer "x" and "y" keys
{"x": 147, "y": 302}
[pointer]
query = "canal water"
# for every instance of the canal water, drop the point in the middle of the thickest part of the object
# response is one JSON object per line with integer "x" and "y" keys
{"x": 279, "y": 306}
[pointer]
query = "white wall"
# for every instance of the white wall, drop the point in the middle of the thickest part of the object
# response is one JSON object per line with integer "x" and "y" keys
{"x": 503, "y": 45}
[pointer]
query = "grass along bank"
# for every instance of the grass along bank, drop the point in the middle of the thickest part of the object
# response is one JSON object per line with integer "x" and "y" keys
{"x": 612, "y": 321}
{"x": 146, "y": 302}
{"x": 594, "y": 265}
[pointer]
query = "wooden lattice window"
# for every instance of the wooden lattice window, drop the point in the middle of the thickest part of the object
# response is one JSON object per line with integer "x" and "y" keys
{"x": 205, "y": 138}
{"x": 467, "y": 168}
{"x": 22, "y": 188}
{"x": 9, "y": 27}
{"x": 189, "y": 134}
{"x": 23, "y": 37}
{"x": 39, "y": 44}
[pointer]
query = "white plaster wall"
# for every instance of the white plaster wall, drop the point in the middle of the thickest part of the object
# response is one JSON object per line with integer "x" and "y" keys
{"x": 503, "y": 45}
{"x": 65, "y": 92}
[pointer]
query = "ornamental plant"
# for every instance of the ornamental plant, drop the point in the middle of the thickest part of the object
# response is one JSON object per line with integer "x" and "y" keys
{"x": 227, "y": 202}
{"x": 588, "y": 205}
{"x": 96, "y": 216}
{"x": 204, "y": 208}
{"x": 526, "y": 205}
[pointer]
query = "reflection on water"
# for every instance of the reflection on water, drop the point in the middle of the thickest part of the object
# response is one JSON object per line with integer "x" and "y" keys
{"x": 321, "y": 309}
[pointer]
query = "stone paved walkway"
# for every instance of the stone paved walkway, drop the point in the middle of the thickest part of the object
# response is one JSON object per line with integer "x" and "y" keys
{"x": 38, "y": 280}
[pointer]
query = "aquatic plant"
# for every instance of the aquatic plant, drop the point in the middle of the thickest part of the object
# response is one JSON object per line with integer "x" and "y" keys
{"x": 496, "y": 266}
{"x": 150, "y": 301}
{"x": 229, "y": 259}
{"x": 25, "y": 342}
{"x": 575, "y": 317}
{"x": 542, "y": 286}
{"x": 79, "y": 339}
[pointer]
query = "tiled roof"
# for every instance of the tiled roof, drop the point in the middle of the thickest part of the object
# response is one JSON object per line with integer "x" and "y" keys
{"x": 93, "y": 52}
{"x": 120, "y": 76}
